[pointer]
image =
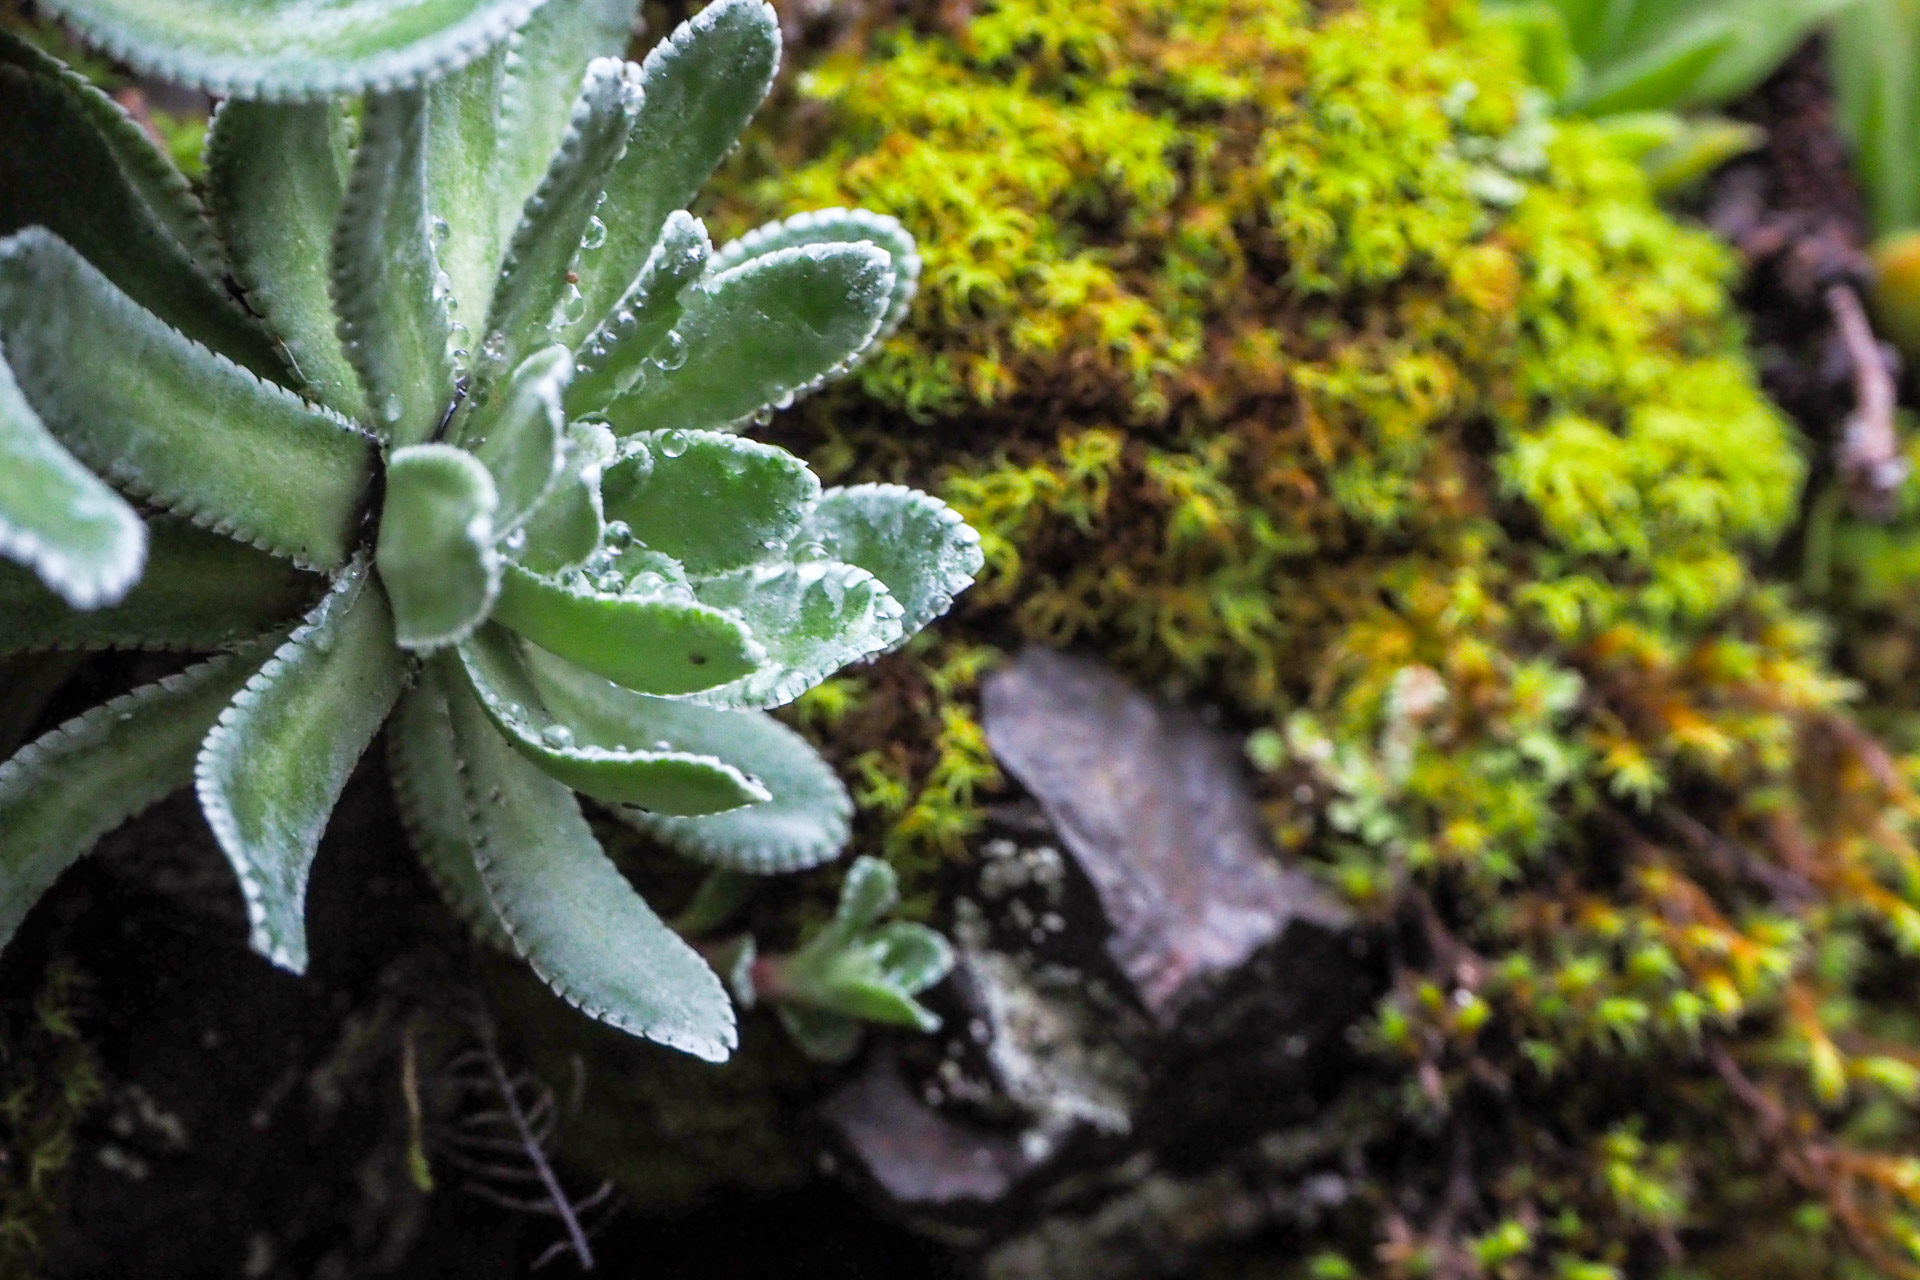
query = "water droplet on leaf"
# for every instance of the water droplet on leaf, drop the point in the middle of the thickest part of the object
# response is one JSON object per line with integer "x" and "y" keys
{"x": 673, "y": 443}
{"x": 596, "y": 235}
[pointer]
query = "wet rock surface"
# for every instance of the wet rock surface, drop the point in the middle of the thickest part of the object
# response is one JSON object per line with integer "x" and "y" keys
{"x": 1148, "y": 1021}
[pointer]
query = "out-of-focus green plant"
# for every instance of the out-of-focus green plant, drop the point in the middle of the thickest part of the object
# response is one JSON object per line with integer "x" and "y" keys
{"x": 1876, "y": 76}
{"x": 1652, "y": 71}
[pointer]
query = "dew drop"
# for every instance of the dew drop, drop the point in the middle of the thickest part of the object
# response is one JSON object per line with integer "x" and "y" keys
{"x": 646, "y": 583}
{"x": 390, "y": 409}
{"x": 442, "y": 232}
{"x": 763, "y": 415}
{"x": 619, "y": 534}
{"x": 809, "y": 553}
{"x": 662, "y": 745}
{"x": 557, "y": 736}
{"x": 673, "y": 443}
{"x": 673, "y": 351}
{"x": 596, "y": 235}
{"x": 516, "y": 542}
{"x": 442, "y": 286}
{"x": 495, "y": 346}
{"x": 572, "y": 308}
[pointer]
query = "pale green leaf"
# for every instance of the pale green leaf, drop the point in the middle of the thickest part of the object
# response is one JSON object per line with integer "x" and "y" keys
{"x": 387, "y": 285}
{"x": 813, "y": 617}
{"x": 916, "y": 544}
{"x": 566, "y": 527}
{"x": 281, "y": 49}
{"x": 436, "y": 555}
{"x": 805, "y": 823}
{"x": 199, "y": 591}
{"x": 167, "y": 420}
{"x": 634, "y": 338}
{"x": 569, "y": 911}
{"x": 651, "y": 643}
{"x": 712, "y": 501}
{"x": 633, "y": 770}
{"x": 519, "y": 435}
{"x": 702, "y": 84}
{"x": 533, "y": 301}
{"x": 276, "y": 176}
{"x": 1875, "y": 61}
{"x": 838, "y": 226}
{"x": 61, "y": 793}
{"x": 494, "y": 125}
{"x": 425, "y": 764}
{"x": 761, "y": 335}
{"x": 72, "y": 161}
{"x": 56, "y": 517}
{"x": 274, "y": 766}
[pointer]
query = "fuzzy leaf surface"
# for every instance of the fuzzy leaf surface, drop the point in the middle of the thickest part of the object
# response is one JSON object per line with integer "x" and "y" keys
{"x": 813, "y": 618}
{"x": 56, "y": 517}
{"x": 276, "y": 175}
{"x": 494, "y": 125}
{"x": 652, "y": 644}
{"x": 618, "y": 353}
{"x": 702, "y": 84}
{"x": 533, "y": 300}
{"x": 425, "y": 763}
{"x": 199, "y": 591}
{"x": 712, "y": 501}
{"x": 168, "y": 420}
{"x": 281, "y": 49}
{"x": 838, "y": 226}
{"x": 386, "y": 279}
{"x": 913, "y": 542}
{"x": 61, "y": 793}
{"x": 631, "y": 770}
{"x": 436, "y": 554}
{"x": 805, "y": 823}
{"x": 272, "y": 769}
{"x": 520, "y": 435}
{"x": 761, "y": 334}
{"x": 114, "y": 197}
{"x": 570, "y": 912}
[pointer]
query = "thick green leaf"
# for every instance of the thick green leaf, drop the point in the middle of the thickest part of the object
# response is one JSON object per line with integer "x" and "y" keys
{"x": 519, "y": 435}
{"x": 436, "y": 553}
{"x": 636, "y": 771}
{"x": 570, "y": 913}
{"x": 916, "y": 544}
{"x": 805, "y": 823}
{"x": 425, "y": 764}
{"x": 762, "y": 334}
{"x": 702, "y": 84}
{"x": 656, "y": 644}
{"x": 72, "y": 161}
{"x": 712, "y": 501}
{"x": 272, "y": 769}
{"x": 838, "y": 226}
{"x": 813, "y": 617}
{"x": 1660, "y": 76}
{"x": 56, "y": 517}
{"x": 534, "y": 302}
{"x": 633, "y": 339}
{"x": 276, "y": 176}
{"x": 387, "y": 285}
{"x": 200, "y": 591}
{"x": 60, "y": 794}
{"x": 494, "y": 125}
{"x": 281, "y": 49}
{"x": 167, "y": 420}
{"x": 566, "y": 527}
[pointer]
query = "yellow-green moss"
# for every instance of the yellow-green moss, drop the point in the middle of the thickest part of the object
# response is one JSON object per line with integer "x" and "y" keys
{"x": 48, "y": 1082}
{"x": 1289, "y": 353}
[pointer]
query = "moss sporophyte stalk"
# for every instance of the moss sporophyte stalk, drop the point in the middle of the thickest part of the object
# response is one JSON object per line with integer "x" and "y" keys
{"x": 543, "y": 559}
{"x": 1298, "y": 358}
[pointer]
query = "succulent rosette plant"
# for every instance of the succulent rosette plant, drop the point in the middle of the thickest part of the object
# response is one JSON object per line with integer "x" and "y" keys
{"x": 427, "y": 417}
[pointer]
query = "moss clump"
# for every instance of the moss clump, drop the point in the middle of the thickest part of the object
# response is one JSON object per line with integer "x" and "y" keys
{"x": 1288, "y": 353}
{"x": 49, "y": 1080}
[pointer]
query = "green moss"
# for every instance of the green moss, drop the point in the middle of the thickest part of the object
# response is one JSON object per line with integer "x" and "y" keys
{"x": 48, "y": 1082}
{"x": 1291, "y": 355}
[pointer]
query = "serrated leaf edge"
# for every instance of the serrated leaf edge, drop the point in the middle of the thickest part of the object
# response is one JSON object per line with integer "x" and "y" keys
{"x": 886, "y": 232}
